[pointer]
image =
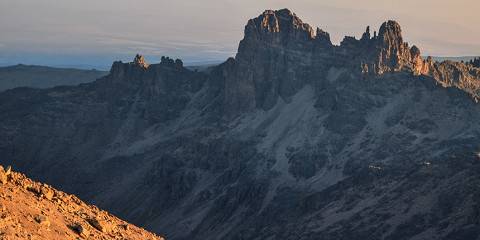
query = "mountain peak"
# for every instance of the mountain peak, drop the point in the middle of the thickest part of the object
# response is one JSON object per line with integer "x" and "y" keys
{"x": 390, "y": 26}
{"x": 390, "y": 32}
{"x": 280, "y": 12}
{"x": 278, "y": 26}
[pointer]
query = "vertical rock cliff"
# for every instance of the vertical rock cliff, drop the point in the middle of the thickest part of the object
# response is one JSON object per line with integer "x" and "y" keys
{"x": 274, "y": 60}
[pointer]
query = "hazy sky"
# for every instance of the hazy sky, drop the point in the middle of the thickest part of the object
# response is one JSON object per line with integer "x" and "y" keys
{"x": 96, "y": 32}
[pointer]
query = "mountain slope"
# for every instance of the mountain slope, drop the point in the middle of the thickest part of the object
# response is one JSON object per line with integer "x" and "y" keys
{"x": 33, "y": 210}
{"x": 44, "y": 77}
{"x": 294, "y": 138}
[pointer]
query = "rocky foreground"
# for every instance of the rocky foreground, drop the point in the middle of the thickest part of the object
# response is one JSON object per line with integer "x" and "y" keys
{"x": 32, "y": 210}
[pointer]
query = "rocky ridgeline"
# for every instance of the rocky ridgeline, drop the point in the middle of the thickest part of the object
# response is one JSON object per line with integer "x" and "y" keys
{"x": 32, "y": 210}
{"x": 135, "y": 69}
{"x": 280, "y": 54}
{"x": 455, "y": 74}
{"x": 163, "y": 88}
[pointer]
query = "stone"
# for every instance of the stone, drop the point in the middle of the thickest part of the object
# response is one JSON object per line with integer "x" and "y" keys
{"x": 47, "y": 192}
{"x": 100, "y": 224}
{"x": 125, "y": 227}
{"x": 3, "y": 176}
{"x": 42, "y": 220}
{"x": 35, "y": 188}
{"x": 80, "y": 229}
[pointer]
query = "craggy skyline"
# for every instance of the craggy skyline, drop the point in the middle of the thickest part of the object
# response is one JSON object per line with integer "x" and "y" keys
{"x": 94, "y": 33}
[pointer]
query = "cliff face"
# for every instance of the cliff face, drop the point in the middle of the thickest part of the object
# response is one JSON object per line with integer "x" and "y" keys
{"x": 455, "y": 74}
{"x": 280, "y": 54}
{"x": 272, "y": 60}
{"x": 294, "y": 138}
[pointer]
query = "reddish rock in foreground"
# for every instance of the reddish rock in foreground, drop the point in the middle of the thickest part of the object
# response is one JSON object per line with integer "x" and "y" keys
{"x": 31, "y": 210}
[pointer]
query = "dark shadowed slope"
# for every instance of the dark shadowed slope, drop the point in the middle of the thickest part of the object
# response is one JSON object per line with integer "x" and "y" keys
{"x": 294, "y": 138}
{"x": 44, "y": 77}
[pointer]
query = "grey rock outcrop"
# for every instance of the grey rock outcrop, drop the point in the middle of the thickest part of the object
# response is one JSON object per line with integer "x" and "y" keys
{"x": 475, "y": 62}
{"x": 274, "y": 60}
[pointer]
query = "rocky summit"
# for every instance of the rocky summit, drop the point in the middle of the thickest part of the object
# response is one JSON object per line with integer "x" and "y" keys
{"x": 294, "y": 138}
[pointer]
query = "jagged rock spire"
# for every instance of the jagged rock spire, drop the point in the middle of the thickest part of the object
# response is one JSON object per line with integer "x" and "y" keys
{"x": 139, "y": 60}
{"x": 366, "y": 35}
{"x": 391, "y": 53}
{"x": 390, "y": 34}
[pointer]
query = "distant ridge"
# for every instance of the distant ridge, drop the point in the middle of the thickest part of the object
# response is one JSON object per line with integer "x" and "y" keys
{"x": 455, "y": 59}
{"x": 44, "y": 77}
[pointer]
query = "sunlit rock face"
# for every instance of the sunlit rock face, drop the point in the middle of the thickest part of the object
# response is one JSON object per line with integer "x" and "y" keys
{"x": 294, "y": 138}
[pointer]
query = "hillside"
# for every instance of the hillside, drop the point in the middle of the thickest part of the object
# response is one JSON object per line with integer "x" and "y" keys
{"x": 32, "y": 210}
{"x": 293, "y": 138}
{"x": 44, "y": 77}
